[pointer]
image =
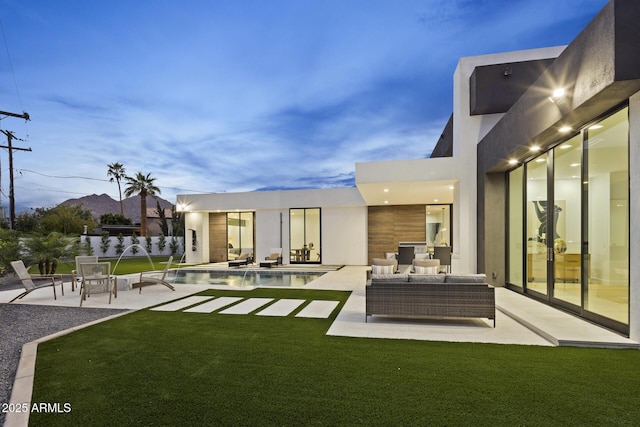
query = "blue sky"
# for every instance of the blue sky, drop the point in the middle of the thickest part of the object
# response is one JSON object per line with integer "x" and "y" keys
{"x": 240, "y": 95}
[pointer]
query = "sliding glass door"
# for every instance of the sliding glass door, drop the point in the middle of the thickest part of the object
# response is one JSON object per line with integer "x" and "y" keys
{"x": 304, "y": 235}
{"x": 536, "y": 224}
{"x": 569, "y": 231}
{"x": 240, "y": 234}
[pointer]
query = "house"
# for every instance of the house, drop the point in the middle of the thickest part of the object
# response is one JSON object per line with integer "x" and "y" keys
{"x": 533, "y": 183}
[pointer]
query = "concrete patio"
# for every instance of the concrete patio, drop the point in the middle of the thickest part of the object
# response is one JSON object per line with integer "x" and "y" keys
{"x": 520, "y": 320}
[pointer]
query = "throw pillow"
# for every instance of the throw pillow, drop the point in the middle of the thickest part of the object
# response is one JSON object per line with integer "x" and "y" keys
{"x": 382, "y": 269}
{"x": 426, "y": 270}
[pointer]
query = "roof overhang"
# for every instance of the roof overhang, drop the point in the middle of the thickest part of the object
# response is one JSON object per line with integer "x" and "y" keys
{"x": 408, "y": 182}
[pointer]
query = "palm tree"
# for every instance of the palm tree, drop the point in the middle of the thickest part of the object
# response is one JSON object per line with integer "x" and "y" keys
{"x": 143, "y": 186}
{"x": 116, "y": 172}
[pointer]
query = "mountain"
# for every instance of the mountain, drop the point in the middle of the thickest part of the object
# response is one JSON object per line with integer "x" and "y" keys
{"x": 103, "y": 203}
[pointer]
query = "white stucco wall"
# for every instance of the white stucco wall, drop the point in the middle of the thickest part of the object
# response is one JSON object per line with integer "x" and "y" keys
{"x": 344, "y": 235}
{"x": 467, "y": 132}
{"x": 270, "y": 234}
{"x": 343, "y": 226}
{"x": 198, "y": 221}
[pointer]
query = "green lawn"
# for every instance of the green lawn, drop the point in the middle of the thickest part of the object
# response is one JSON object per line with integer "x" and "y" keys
{"x": 176, "y": 368}
{"x": 127, "y": 265}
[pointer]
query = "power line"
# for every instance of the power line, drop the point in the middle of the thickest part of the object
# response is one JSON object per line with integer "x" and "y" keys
{"x": 15, "y": 82}
{"x": 106, "y": 180}
{"x": 63, "y": 176}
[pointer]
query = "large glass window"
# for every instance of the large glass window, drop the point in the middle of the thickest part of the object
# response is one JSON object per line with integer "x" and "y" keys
{"x": 576, "y": 223}
{"x": 567, "y": 188}
{"x": 515, "y": 273}
{"x": 239, "y": 234}
{"x": 607, "y": 188}
{"x": 438, "y": 222}
{"x": 304, "y": 226}
{"x": 537, "y": 209}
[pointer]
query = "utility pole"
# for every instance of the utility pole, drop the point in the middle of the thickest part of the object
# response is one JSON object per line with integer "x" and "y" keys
{"x": 10, "y": 137}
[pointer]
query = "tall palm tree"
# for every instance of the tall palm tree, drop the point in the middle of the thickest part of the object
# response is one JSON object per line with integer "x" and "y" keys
{"x": 143, "y": 186}
{"x": 116, "y": 172}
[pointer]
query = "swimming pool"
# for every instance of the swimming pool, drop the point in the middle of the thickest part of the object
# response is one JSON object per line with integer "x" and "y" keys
{"x": 242, "y": 278}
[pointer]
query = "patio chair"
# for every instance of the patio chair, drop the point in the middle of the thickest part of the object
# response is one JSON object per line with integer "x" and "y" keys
{"x": 443, "y": 253}
{"x": 154, "y": 278}
{"x": 76, "y": 275}
{"x": 274, "y": 258}
{"x": 96, "y": 275}
{"x": 27, "y": 280}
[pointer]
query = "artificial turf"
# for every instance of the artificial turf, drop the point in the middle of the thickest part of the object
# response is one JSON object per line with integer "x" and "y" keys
{"x": 126, "y": 265}
{"x": 177, "y": 368}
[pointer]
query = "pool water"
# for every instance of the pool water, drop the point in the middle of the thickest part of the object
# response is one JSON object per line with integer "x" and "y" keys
{"x": 248, "y": 278}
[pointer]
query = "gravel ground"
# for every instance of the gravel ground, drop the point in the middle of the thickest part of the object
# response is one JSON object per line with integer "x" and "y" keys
{"x": 22, "y": 323}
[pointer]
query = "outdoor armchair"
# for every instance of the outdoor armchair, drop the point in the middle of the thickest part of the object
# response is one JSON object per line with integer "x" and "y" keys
{"x": 76, "y": 275}
{"x": 96, "y": 275}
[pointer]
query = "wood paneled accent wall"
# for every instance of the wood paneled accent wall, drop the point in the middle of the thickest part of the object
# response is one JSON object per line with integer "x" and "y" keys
{"x": 389, "y": 225}
{"x": 218, "y": 246}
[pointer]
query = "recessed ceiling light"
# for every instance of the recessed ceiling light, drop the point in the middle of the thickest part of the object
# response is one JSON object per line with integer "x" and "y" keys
{"x": 435, "y": 200}
{"x": 386, "y": 190}
{"x": 386, "y": 202}
{"x": 565, "y": 129}
{"x": 513, "y": 161}
{"x": 535, "y": 148}
{"x": 451, "y": 187}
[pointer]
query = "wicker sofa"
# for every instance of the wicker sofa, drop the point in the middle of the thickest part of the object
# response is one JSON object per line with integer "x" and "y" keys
{"x": 433, "y": 295}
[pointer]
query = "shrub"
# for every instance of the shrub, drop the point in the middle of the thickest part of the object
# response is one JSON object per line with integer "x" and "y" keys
{"x": 162, "y": 243}
{"x": 105, "y": 242}
{"x": 120, "y": 244}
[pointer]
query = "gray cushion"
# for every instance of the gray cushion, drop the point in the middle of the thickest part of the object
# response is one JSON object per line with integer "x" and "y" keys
{"x": 389, "y": 278}
{"x": 466, "y": 278}
{"x": 426, "y": 262}
{"x": 426, "y": 278}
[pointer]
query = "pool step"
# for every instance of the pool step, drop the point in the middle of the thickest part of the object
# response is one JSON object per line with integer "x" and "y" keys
{"x": 316, "y": 309}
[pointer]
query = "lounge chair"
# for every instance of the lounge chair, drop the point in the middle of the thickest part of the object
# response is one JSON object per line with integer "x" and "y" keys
{"x": 76, "y": 275}
{"x": 274, "y": 258}
{"x": 243, "y": 259}
{"x": 27, "y": 280}
{"x": 97, "y": 275}
{"x": 154, "y": 278}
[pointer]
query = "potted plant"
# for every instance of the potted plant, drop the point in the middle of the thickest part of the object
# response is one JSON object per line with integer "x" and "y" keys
{"x": 47, "y": 251}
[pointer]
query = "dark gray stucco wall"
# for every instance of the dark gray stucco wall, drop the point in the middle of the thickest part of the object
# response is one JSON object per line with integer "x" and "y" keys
{"x": 599, "y": 70}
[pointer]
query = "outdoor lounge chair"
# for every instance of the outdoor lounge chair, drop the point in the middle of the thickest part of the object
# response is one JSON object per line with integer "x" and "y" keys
{"x": 27, "y": 280}
{"x": 243, "y": 259}
{"x": 97, "y": 275}
{"x": 76, "y": 275}
{"x": 154, "y": 278}
{"x": 274, "y": 258}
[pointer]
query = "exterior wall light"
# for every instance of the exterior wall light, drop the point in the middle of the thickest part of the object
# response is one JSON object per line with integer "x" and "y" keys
{"x": 557, "y": 96}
